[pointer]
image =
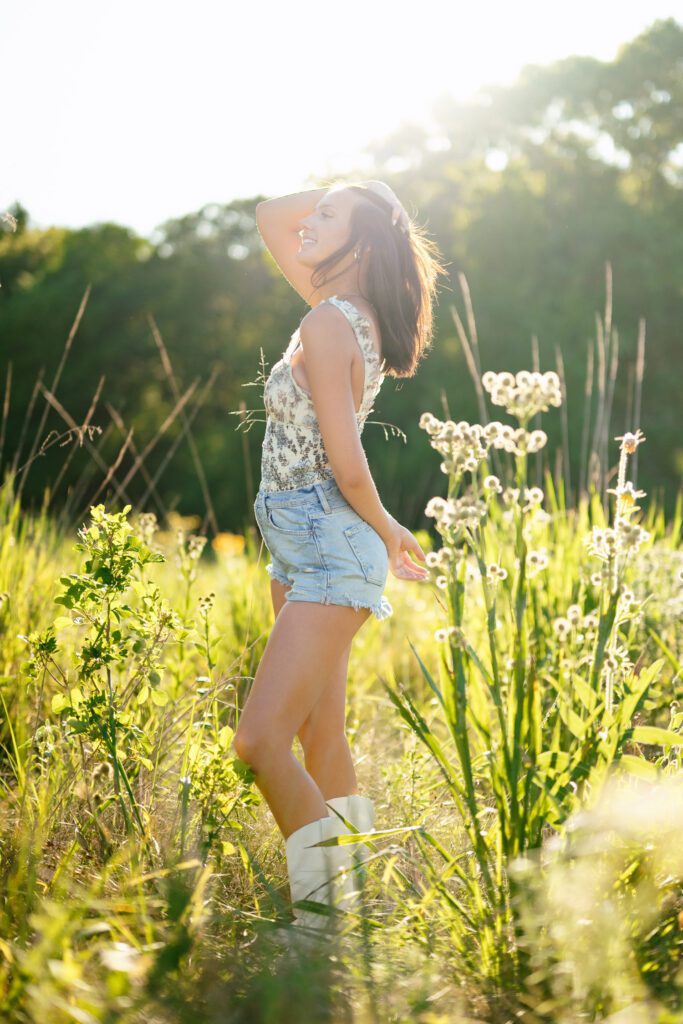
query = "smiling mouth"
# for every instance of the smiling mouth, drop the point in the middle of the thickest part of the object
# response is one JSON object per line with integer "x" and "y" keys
{"x": 307, "y": 241}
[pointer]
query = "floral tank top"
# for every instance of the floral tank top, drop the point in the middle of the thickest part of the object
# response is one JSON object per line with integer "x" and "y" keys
{"x": 293, "y": 453}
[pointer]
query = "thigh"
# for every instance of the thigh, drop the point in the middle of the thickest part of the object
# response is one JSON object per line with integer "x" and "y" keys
{"x": 328, "y": 714}
{"x": 326, "y": 721}
{"x": 306, "y": 648}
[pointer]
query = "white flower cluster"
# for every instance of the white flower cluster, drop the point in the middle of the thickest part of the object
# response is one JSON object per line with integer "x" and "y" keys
{"x": 454, "y": 634}
{"x": 606, "y": 542}
{"x": 465, "y": 445}
{"x": 462, "y": 444}
{"x": 442, "y": 558}
{"x": 518, "y": 441}
{"x": 458, "y": 513}
{"x": 584, "y": 627}
{"x": 495, "y": 573}
{"x": 525, "y": 394}
{"x": 536, "y": 561}
{"x": 617, "y": 664}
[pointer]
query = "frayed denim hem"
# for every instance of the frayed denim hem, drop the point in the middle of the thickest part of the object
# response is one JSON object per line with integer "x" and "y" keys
{"x": 276, "y": 575}
{"x": 381, "y": 610}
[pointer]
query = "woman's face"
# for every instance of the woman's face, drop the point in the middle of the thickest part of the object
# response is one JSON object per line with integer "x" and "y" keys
{"x": 326, "y": 229}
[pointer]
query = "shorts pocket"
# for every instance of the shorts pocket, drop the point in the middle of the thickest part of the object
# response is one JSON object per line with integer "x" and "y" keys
{"x": 289, "y": 519}
{"x": 370, "y": 551}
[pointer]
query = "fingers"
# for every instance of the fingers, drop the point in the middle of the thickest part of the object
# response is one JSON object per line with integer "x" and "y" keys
{"x": 417, "y": 550}
{"x": 405, "y": 569}
{"x": 415, "y": 571}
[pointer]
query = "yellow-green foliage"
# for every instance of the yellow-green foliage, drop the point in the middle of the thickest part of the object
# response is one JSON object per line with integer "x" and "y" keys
{"x": 534, "y": 677}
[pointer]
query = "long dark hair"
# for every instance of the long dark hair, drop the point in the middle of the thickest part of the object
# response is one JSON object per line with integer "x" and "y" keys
{"x": 401, "y": 279}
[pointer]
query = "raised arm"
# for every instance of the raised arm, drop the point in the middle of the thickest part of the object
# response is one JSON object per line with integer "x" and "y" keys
{"x": 278, "y": 222}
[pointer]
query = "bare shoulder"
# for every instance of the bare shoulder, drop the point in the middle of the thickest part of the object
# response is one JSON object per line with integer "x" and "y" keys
{"x": 326, "y": 326}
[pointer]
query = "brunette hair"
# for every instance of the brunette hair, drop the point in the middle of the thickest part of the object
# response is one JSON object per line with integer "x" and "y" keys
{"x": 401, "y": 279}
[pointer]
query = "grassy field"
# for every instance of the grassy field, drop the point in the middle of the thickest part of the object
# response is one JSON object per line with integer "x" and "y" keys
{"x": 517, "y": 723}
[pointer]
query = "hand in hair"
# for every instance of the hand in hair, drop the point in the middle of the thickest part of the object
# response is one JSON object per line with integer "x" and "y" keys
{"x": 398, "y": 213}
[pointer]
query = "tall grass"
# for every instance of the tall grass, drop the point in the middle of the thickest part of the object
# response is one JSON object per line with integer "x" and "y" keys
{"x": 523, "y": 748}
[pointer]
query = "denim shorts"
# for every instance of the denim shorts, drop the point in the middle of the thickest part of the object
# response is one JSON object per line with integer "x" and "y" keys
{"x": 322, "y": 548}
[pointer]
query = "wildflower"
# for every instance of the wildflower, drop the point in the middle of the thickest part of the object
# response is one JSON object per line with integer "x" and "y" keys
{"x": 463, "y": 512}
{"x": 429, "y": 423}
{"x": 441, "y": 582}
{"x": 562, "y": 628}
{"x": 536, "y": 561}
{"x": 195, "y": 546}
{"x": 463, "y": 445}
{"x": 435, "y": 507}
{"x": 590, "y": 622}
{"x": 206, "y": 603}
{"x": 147, "y": 525}
{"x": 494, "y": 573}
{"x": 445, "y": 633}
{"x": 630, "y": 536}
{"x": 629, "y": 442}
{"x": 525, "y": 394}
{"x": 533, "y": 497}
{"x": 602, "y": 542}
{"x": 492, "y": 431}
{"x": 492, "y": 483}
{"x": 626, "y": 497}
{"x": 537, "y": 439}
{"x": 574, "y": 614}
{"x": 510, "y": 495}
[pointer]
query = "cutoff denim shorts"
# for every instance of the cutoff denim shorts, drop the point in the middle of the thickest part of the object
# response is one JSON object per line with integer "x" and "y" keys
{"x": 322, "y": 548}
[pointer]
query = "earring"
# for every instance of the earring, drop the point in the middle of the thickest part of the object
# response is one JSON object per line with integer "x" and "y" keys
{"x": 355, "y": 254}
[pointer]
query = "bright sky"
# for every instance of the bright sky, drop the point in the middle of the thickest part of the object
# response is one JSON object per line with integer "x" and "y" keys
{"x": 141, "y": 111}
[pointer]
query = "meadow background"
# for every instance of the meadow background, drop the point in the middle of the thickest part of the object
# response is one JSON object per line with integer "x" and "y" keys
{"x": 517, "y": 722}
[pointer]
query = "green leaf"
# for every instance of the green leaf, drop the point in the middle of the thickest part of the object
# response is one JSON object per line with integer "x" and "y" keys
{"x": 654, "y": 735}
{"x": 639, "y": 766}
{"x": 160, "y": 698}
{"x": 557, "y": 759}
{"x": 225, "y": 736}
{"x": 59, "y": 702}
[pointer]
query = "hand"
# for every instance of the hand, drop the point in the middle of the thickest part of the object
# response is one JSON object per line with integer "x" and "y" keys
{"x": 397, "y": 211}
{"x": 399, "y": 542}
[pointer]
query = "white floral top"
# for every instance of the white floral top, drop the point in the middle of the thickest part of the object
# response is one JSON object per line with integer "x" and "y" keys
{"x": 293, "y": 452}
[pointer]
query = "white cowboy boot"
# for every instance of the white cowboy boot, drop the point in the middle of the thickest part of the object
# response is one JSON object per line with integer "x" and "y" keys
{"x": 360, "y": 812}
{"x": 357, "y": 809}
{"x": 311, "y": 870}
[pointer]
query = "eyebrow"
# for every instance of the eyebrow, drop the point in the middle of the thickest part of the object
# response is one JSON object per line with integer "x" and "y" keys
{"x": 321, "y": 206}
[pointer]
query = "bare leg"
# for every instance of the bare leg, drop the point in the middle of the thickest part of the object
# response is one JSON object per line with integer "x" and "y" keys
{"x": 326, "y": 749}
{"x": 306, "y": 647}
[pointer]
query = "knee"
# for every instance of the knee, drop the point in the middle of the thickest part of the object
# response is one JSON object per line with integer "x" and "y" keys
{"x": 256, "y": 749}
{"x": 249, "y": 748}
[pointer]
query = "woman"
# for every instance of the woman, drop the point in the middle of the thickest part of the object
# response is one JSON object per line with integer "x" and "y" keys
{"x": 368, "y": 273}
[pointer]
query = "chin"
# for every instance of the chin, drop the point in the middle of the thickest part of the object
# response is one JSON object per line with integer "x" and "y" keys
{"x": 306, "y": 258}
